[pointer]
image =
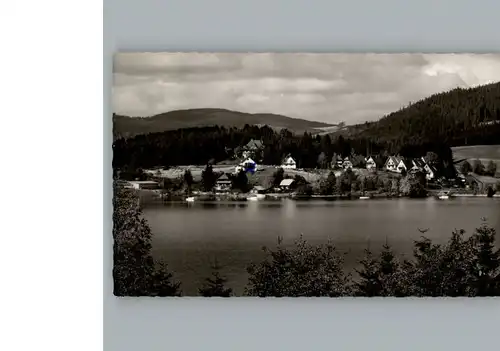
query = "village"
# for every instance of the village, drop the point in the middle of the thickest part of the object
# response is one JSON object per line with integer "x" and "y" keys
{"x": 353, "y": 176}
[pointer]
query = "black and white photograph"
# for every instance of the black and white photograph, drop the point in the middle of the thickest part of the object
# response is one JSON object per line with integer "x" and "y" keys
{"x": 306, "y": 174}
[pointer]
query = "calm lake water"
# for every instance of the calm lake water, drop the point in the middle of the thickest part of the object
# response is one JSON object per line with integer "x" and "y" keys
{"x": 190, "y": 236}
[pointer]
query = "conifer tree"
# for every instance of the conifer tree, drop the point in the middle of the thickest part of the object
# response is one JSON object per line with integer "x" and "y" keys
{"x": 215, "y": 285}
{"x": 369, "y": 276}
{"x": 487, "y": 262}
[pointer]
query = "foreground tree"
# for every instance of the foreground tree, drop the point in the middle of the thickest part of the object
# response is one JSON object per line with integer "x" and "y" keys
{"x": 303, "y": 270}
{"x": 382, "y": 276}
{"x": 369, "y": 284}
{"x": 215, "y": 285}
{"x": 135, "y": 271}
{"x": 486, "y": 264}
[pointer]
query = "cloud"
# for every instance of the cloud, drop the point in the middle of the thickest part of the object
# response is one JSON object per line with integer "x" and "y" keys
{"x": 324, "y": 87}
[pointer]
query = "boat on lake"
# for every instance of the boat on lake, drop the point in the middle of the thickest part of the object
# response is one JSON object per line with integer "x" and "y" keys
{"x": 256, "y": 197}
{"x": 444, "y": 195}
{"x": 190, "y": 199}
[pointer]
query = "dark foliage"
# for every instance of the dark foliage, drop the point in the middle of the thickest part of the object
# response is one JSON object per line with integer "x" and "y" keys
{"x": 461, "y": 267}
{"x": 198, "y": 145}
{"x": 135, "y": 272}
{"x": 327, "y": 186}
{"x": 457, "y": 117}
{"x": 215, "y": 285}
{"x": 303, "y": 270}
{"x": 466, "y": 168}
{"x": 208, "y": 178}
{"x": 240, "y": 182}
{"x": 278, "y": 176}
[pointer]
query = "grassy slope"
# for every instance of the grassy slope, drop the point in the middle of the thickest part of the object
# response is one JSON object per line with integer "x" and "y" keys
{"x": 484, "y": 153}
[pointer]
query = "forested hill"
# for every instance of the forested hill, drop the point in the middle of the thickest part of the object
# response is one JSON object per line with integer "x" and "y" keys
{"x": 130, "y": 126}
{"x": 457, "y": 117}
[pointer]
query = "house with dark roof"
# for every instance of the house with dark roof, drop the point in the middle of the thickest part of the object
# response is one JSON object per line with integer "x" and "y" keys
{"x": 289, "y": 163}
{"x": 430, "y": 171}
{"x": 392, "y": 163}
{"x": 337, "y": 161}
{"x": 254, "y": 148}
{"x": 223, "y": 183}
{"x": 405, "y": 164}
{"x": 370, "y": 163}
{"x": 419, "y": 163}
{"x": 347, "y": 164}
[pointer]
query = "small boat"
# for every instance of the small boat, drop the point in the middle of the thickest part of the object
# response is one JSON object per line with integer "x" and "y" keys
{"x": 364, "y": 197}
{"x": 444, "y": 195}
{"x": 252, "y": 198}
{"x": 190, "y": 199}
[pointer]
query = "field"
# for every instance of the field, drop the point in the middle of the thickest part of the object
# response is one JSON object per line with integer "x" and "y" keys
{"x": 484, "y": 153}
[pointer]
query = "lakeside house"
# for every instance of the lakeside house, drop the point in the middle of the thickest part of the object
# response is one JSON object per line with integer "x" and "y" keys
{"x": 370, "y": 163}
{"x": 430, "y": 171}
{"x": 419, "y": 164}
{"x": 289, "y": 163}
{"x": 347, "y": 164}
{"x": 337, "y": 161}
{"x": 406, "y": 165}
{"x": 253, "y": 148}
{"x": 286, "y": 183}
{"x": 142, "y": 184}
{"x": 223, "y": 183}
{"x": 392, "y": 163}
{"x": 247, "y": 165}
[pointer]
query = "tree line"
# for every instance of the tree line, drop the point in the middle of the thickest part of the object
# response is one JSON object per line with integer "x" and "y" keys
{"x": 197, "y": 146}
{"x": 460, "y": 267}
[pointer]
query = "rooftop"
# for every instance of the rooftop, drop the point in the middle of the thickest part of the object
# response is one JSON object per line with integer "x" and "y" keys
{"x": 286, "y": 182}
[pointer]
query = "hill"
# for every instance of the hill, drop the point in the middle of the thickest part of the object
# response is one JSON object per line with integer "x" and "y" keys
{"x": 457, "y": 117}
{"x": 124, "y": 126}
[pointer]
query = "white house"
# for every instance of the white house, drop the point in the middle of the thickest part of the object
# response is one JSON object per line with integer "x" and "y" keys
{"x": 347, "y": 163}
{"x": 430, "y": 171}
{"x": 406, "y": 165}
{"x": 223, "y": 183}
{"x": 285, "y": 183}
{"x": 392, "y": 163}
{"x": 289, "y": 163}
{"x": 370, "y": 163}
{"x": 246, "y": 163}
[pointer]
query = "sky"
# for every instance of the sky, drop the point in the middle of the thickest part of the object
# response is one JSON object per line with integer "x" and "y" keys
{"x": 352, "y": 88}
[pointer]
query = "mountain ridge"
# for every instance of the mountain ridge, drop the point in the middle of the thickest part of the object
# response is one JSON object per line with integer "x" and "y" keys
{"x": 204, "y": 117}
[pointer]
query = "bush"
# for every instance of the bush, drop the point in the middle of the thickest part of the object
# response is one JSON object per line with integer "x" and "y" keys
{"x": 304, "y": 270}
{"x": 461, "y": 267}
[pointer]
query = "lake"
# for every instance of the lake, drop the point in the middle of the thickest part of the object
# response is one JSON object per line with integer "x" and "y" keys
{"x": 189, "y": 236}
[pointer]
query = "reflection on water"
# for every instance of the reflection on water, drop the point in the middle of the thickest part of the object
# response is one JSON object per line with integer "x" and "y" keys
{"x": 190, "y": 235}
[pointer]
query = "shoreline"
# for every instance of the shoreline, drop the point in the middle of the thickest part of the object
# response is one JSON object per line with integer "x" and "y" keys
{"x": 207, "y": 197}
